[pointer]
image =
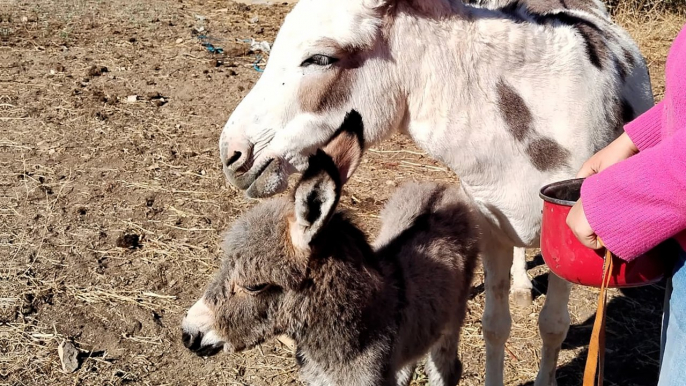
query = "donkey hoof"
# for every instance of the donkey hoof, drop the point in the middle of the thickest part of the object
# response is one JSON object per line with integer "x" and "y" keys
{"x": 522, "y": 298}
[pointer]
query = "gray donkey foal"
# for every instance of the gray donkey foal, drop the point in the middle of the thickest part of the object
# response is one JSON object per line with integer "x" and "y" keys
{"x": 359, "y": 314}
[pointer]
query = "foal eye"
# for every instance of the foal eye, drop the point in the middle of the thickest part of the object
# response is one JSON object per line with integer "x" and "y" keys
{"x": 256, "y": 288}
{"x": 319, "y": 60}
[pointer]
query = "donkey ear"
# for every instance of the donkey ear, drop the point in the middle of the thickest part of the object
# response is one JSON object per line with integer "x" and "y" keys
{"x": 347, "y": 145}
{"x": 315, "y": 198}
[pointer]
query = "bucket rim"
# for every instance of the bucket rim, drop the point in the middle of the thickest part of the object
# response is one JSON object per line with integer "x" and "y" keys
{"x": 542, "y": 193}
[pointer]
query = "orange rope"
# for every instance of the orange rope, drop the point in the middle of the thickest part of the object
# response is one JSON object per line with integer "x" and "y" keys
{"x": 595, "y": 362}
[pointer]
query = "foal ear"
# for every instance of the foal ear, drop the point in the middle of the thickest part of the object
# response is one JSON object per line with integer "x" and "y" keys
{"x": 315, "y": 198}
{"x": 319, "y": 189}
{"x": 347, "y": 145}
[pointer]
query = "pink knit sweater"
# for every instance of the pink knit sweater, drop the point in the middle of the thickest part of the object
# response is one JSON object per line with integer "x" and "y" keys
{"x": 640, "y": 202}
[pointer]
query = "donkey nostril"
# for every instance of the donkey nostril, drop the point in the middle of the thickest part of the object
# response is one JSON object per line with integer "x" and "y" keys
{"x": 191, "y": 341}
{"x": 235, "y": 157}
{"x": 186, "y": 338}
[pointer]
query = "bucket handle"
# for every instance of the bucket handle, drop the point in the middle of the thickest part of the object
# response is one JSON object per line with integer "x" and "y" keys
{"x": 595, "y": 361}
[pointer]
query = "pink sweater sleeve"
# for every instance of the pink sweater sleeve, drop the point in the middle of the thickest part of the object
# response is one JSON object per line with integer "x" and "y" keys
{"x": 645, "y": 131}
{"x": 636, "y": 204}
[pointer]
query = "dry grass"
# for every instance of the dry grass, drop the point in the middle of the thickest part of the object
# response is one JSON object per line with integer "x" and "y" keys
{"x": 80, "y": 168}
{"x": 654, "y": 32}
{"x": 643, "y": 7}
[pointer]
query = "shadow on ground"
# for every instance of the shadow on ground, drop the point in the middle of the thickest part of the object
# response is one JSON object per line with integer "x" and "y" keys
{"x": 632, "y": 338}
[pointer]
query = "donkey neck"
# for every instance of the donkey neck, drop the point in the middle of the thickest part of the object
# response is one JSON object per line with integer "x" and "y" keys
{"x": 350, "y": 309}
{"x": 433, "y": 49}
{"x": 439, "y": 63}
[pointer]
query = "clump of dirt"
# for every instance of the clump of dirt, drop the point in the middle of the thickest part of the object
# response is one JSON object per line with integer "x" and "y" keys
{"x": 129, "y": 241}
{"x": 94, "y": 71}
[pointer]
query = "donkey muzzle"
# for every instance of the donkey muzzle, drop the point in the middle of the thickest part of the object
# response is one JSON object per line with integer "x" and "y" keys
{"x": 199, "y": 343}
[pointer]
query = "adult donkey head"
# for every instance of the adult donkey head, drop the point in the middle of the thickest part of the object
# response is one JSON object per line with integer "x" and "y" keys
{"x": 329, "y": 58}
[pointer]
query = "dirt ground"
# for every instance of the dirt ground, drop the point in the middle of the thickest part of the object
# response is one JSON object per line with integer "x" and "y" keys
{"x": 113, "y": 201}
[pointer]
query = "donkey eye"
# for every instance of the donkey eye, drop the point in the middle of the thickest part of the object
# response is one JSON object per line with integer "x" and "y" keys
{"x": 256, "y": 288}
{"x": 318, "y": 60}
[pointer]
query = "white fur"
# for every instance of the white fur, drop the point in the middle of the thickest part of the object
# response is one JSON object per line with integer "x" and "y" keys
{"x": 200, "y": 320}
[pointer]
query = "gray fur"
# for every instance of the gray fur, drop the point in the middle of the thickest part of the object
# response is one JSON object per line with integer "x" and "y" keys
{"x": 546, "y": 154}
{"x": 360, "y": 315}
{"x": 514, "y": 111}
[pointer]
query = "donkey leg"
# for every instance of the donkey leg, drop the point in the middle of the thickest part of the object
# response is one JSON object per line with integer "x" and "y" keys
{"x": 553, "y": 323}
{"x": 404, "y": 376}
{"x": 496, "y": 321}
{"x": 443, "y": 366}
{"x": 521, "y": 284}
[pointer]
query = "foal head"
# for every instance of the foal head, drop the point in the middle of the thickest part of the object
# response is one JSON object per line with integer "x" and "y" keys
{"x": 267, "y": 253}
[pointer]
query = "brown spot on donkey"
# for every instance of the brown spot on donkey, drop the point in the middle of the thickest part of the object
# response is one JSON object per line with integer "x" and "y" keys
{"x": 359, "y": 314}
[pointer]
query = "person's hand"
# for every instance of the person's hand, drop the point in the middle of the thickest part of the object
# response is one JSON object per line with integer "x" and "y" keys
{"x": 619, "y": 150}
{"x": 578, "y": 223}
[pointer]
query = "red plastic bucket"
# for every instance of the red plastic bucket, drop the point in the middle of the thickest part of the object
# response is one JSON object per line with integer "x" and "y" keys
{"x": 572, "y": 261}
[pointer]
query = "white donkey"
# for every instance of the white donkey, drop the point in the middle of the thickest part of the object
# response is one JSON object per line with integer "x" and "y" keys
{"x": 510, "y": 99}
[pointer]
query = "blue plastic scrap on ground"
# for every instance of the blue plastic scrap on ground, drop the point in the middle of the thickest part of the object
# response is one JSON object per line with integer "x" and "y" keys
{"x": 255, "y": 64}
{"x": 211, "y": 48}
